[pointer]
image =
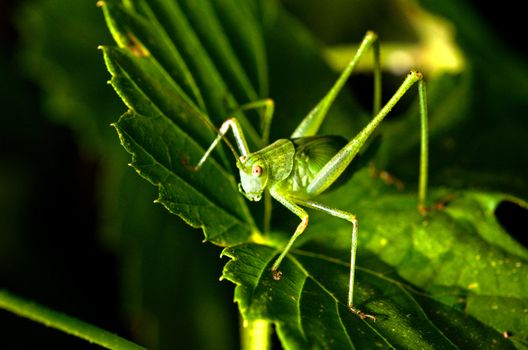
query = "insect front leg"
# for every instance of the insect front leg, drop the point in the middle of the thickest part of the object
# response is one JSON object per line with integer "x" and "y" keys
{"x": 353, "y": 248}
{"x": 302, "y": 214}
{"x": 239, "y": 137}
{"x": 234, "y": 124}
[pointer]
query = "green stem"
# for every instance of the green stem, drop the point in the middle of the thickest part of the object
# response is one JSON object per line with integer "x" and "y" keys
{"x": 62, "y": 322}
{"x": 255, "y": 335}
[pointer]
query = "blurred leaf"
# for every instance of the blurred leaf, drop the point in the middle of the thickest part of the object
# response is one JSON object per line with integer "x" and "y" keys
{"x": 497, "y": 123}
{"x": 59, "y": 40}
{"x": 478, "y": 116}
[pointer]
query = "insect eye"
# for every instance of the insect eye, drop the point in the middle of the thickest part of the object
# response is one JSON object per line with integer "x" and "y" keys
{"x": 256, "y": 170}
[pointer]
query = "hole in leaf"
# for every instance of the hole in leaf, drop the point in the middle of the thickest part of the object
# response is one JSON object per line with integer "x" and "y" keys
{"x": 514, "y": 219}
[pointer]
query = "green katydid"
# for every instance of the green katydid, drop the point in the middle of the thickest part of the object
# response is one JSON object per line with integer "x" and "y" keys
{"x": 296, "y": 170}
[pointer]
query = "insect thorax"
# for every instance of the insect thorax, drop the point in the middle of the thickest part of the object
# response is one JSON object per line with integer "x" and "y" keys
{"x": 265, "y": 168}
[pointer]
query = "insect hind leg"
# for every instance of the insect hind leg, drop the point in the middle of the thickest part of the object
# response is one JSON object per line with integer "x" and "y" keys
{"x": 340, "y": 161}
{"x": 353, "y": 248}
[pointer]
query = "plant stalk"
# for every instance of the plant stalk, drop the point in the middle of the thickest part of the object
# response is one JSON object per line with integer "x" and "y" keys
{"x": 62, "y": 322}
{"x": 255, "y": 335}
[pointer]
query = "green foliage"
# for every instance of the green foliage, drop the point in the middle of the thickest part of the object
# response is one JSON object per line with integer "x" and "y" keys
{"x": 425, "y": 278}
{"x": 428, "y": 280}
{"x": 159, "y": 159}
{"x": 452, "y": 279}
{"x": 157, "y": 253}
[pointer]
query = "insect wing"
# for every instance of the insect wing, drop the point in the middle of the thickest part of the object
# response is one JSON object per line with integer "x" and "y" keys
{"x": 315, "y": 151}
{"x": 311, "y": 155}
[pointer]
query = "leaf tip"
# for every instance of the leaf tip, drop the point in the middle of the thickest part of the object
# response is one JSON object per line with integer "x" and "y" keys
{"x": 228, "y": 253}
{"x": 100, "y": 3}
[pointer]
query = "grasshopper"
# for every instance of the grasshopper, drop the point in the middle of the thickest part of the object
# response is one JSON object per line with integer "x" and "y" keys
{"x": 297, "y": 169}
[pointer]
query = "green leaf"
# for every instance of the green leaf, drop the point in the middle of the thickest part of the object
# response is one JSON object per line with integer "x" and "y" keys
{"x": 424, "y": 277}
{"x": 158, "y": 103}
{"x": 452, "y": 279}
{"x": 207, "y": 198}
{"x": 309, "y": 306}
{"x": 199, "y": 57}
